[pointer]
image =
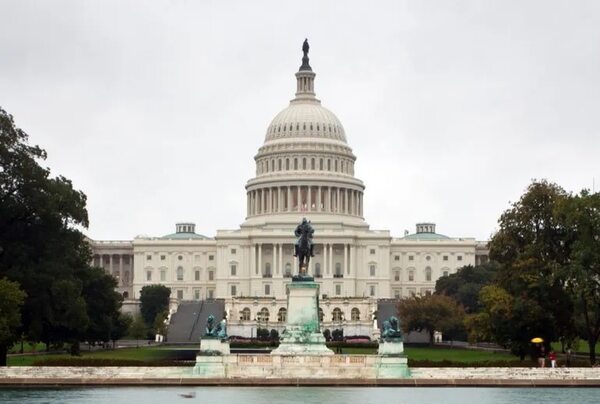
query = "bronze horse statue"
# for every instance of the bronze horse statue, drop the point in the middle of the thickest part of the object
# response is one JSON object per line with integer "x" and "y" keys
{"x": 304, "y": 245}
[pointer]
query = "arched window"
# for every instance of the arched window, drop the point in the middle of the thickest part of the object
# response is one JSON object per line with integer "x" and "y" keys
{"x": 371, "y": 269}
{"x": 335, "y": 164}
{"x": 282, "y": 315}
{"x": 245, "y": 314}
{"x": 279, "y": 165}
{"x": 295, "y": 163}
{"x": 428, "y": 274}
{"x": 179, "y": 273}
{"x": 318, "y": 270}
{"x": 263, "y": 315}
{"x": 355, "y": 314}
{"x": 321, "y": 315}
{"x": 304, "y": 163}
{"x": 336, "y": 314}
{"x": 312, "y": 163}
{"x": 445, "y": 273}
{"x": 321, "y": 164}
{"x": 328, "y": 165}
{"x": 411, "y": 275}
{"x": 287, "y": 164}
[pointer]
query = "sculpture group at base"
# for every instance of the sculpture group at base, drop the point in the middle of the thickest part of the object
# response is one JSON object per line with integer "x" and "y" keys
{"x": 215, "y": 331}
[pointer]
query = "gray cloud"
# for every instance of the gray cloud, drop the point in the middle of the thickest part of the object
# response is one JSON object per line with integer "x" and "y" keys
{"x": 155, "y": 109}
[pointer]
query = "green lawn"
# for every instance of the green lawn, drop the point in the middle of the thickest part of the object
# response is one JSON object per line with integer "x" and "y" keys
{"x": 141, "y": 354}
{"x": 581, "y": 346}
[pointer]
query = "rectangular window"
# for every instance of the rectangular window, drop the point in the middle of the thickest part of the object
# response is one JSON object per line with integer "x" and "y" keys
{"x": 233, "y": 251}
{"x": 459, "y": 258}
{"x": 148, "y": 275}
{"x": 397, "y": 275}
{"x": 445, "y": 258}
{"x": 372, "y": 251}
{"x": 163, "y": 276}
{"x": 180, "y": 294}
{"x": 233, "y": 270}
{"x": 267, "y": 290}
{"x": 162, "y": 257}
{"x": 196, "y": 294}
{"x": 211, "y": 275}
{"x": 233, "y": 290}
{"x": 411, "y": 258}
{"x": 372, "y": 270}
{"x": 210, "y": 293}
{"x": 196, "y": 275}
{"x": 411, "y": 276}
{"x": 372, "y": 290}
{"x": 397, "y": 294}
{"x": 338, "y": 290}
{"x": 148, "y": 257}
{"x": 396, "y": 258}
{"x": 211, "y": 257}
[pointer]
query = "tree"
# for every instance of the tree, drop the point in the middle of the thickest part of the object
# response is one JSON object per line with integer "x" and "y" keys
{"x": 11, "y": 300}
{"x": 121, "y": 327}
{"x": 40, "y": 245}
{"x": 464, "y": 285}
{"x": 154, "y": 299}
{"x": 532, "y": 245}
{"x": 160, "y": 326}
{"x": 582, "y": 216}
{"x": 138, "y": 329}
{"x": 103, "y": 304}
{"x": 431, "y": 313}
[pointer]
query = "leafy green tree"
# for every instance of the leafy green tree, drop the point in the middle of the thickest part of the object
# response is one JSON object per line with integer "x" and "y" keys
{"x": 120, "y": 327}
{"x": 431, "y": 313}
{"x": 138, "y": 329}
{"x": 154, "y": 299}
{"x": 532, "y": 245}
{"x": 40, "y": 245}
{"x": 464, "y": 285}
{"x": 582, "y": 216}
{"x": 11, "y": 300}
{"x": 160, "y": 327}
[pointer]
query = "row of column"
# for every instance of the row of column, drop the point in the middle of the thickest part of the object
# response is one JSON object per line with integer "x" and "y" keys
{"x": 305, "y": 199}
{"x": 327, "y": 263}
{"x": 123, "y": 275}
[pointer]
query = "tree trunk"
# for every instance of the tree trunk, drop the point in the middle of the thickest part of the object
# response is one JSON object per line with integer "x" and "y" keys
{"x": 431, "y": 333}
{"x": 3, "y": 354}
{"x": 592, "y": 345}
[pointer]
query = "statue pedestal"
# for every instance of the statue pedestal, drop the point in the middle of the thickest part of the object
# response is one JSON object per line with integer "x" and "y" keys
{"x": 302, "y": 335}
{"x": 392, "y": 346}
{"x": 210, "y": 346}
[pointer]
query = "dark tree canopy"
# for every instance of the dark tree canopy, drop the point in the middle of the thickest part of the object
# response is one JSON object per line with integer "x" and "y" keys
{"x": 41, "y": 246}
{"x": 464, "y": 285}
{"x": 11, "y": 300}
{"x": 154, "y": 299}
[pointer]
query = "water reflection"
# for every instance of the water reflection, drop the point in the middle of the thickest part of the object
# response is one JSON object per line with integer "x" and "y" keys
{"x": 302, "y": 395}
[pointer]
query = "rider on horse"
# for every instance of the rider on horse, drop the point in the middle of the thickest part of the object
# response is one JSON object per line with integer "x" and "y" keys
{"x": 304, "y": 229}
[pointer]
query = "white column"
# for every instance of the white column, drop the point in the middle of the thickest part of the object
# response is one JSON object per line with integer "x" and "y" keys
{"x": 252, "y": 260}
{"x": 274, "y": 259}
{"x": 346, "y": 258}
{"x": 319, "y": 209}
{"x": 299, "y": 197}
{"x": 331, "y": 258}
{"x": 281, "y": 258}
{"x": 121, "y": 270}
{"x": 309, "y": 199}
{"x": 337, "y": 202}
{"x": 352, "y": 259}
{"x": 346, "y": 204}
{"x": 279, "y": 205}
{"x": 289, "y": 199}
{"x": 259, "y": 271}
{"x": 325, "y": 270}
{"x": 110, "y": 265}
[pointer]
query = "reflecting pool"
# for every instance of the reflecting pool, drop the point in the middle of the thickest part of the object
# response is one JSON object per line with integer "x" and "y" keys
{"x": 303, "y": 395}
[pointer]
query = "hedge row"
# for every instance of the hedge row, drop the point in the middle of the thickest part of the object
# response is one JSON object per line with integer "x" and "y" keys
{"x": 97, "y": 362}
{"x": 424, "y": 363}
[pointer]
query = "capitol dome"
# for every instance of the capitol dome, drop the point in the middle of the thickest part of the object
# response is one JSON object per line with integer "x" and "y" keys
{"x": 305, "y": 165}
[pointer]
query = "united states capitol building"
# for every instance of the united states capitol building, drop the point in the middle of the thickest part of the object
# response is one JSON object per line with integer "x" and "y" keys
{"x": 305, "y": 168}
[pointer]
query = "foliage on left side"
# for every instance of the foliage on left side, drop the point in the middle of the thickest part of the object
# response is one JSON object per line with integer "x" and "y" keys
{"x": 43, "y": 250}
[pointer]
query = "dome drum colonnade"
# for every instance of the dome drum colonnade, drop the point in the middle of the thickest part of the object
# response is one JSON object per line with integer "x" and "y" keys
{"x": 305, "y": 164}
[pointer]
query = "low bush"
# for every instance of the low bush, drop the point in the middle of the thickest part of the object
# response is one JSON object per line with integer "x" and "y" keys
{"x": 482, "y": 364}
{"x": 97, "y": 362}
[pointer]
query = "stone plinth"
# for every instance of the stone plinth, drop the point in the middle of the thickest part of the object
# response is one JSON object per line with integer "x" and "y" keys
{"x": 210, "y": 345}
{"x": 391, "y": 347}
{"x": 302, "y": 335}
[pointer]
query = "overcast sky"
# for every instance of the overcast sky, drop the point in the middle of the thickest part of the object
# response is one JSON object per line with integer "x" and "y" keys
{"x": 155, "y": 109}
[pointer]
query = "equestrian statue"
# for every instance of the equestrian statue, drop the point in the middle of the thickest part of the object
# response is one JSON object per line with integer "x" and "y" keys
{"x": 304, "y": 246}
